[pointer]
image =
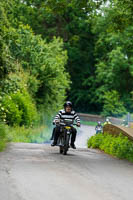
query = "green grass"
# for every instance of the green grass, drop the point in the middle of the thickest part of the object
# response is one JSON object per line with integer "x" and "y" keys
{"x": 119, "y": 146}
{"x": 89, "y": 123}
{"x": 38, "y": 134}
{"x": 29, "y": 135}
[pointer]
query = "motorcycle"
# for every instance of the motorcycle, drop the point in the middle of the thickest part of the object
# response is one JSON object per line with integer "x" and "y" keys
{"x": 65, "y": 135}
{"x": 98, "y": 130}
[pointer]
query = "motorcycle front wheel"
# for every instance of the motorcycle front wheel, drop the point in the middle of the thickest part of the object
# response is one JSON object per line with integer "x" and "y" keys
{"x": 66, "y": 145}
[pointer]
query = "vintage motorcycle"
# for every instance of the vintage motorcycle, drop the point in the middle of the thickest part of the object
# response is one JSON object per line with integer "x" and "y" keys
{"x": 99, "y": 129}
{"x": 65, "y": 135}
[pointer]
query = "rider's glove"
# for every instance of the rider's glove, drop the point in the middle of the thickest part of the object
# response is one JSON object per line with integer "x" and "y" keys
{"x": 78, "y": 124}
{"x": 55, "y": 122}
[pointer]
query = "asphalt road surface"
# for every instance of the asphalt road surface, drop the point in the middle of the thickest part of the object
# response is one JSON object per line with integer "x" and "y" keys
{"x": 39, "y": 172}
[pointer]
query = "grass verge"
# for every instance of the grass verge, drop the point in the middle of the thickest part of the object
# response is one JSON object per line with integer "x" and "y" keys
{"x": 89, "y": 123}
{"x": 38, "y": 134}
{"x": 119, "y": 146}
{"x": 3, "y": 136}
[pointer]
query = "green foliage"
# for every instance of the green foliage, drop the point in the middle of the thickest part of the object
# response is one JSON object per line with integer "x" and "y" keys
{"x": 95, "y": 141}
{"x": 6, "y": 61}
{"x": 89, "y": 123}
{"x": 45, "y": 63}
{"x": 113, "y": 50}
{"x": 70, "y": 20}
{"x": 51, "y": 18}
{"x": 3, "y": 136}
{"x": 119, "y": 146}
{"x": 14, "y": 81}
{"x": 112, "y": 105}
{"x": 37, "y": 134}
{"x": 98, "y": 53}
{"x": 18, "y": 109}
{"x": 32, "y": 71}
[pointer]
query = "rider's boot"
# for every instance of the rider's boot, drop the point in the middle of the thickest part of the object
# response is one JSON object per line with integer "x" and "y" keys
{"x": 73, "y": 138}
{"x": 55, "y": 139}
{"x": 54, "y": 143}
{"x": 52, "y": 137}
{"x": 73, "y": 146}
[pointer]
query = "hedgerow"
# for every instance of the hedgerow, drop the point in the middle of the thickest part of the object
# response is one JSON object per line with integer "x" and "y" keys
{"x": 3, "y": 136}
{"x": 119, "y": 146}
{"x": 36, "y": 134}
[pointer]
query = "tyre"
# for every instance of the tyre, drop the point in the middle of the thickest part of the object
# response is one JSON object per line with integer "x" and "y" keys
{"x": 67, "y": 141}
{"x": 66, "y": 146}
{"x": 65, "y": 151}
{"x": 61, "y": 150}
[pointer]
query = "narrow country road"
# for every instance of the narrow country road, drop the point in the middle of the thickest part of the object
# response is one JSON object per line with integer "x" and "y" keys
{"x": 39, "y": 172}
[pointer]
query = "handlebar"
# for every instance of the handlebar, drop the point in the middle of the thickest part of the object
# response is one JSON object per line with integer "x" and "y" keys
{"x": 64, "y": 124}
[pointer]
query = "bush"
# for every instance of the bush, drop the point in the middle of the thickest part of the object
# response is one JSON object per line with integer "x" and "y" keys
{"x": 38, "y": 134}
{"x": 3, "y": 136}
{"x": 119, "y": 146}
{"x": 95, "y": 141}
{"x": 112, "y": 104}
{"x": 18, "y": 109}
{"x": 45, "y": 62}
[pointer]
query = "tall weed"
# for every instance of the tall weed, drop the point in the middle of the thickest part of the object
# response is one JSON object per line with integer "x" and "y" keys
{"x": 38, "y": 134}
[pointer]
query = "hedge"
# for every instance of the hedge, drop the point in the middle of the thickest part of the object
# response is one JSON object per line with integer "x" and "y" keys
{"x": 119, "y": 146}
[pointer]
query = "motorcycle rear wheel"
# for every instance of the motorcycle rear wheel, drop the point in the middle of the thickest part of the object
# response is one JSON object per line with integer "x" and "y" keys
{"x": 61, "y": 150}
{"x": 65, "y": 151}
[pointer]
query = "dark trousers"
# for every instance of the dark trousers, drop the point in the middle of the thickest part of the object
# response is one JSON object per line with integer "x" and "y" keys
{"x": 57, "y": 131}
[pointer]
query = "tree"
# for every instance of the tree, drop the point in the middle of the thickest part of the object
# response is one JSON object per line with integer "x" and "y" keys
{"x": 113, "y": 50}
{"x": 45, "y": 64}
{"x": 70, "y": 20}
{"x": 32, "y": 71}
{"x": 112, "y": 104}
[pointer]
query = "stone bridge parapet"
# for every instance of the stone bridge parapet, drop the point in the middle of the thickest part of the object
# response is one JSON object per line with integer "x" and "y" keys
{"x": 96, "y": 118}
{"x": 116, "y": 130}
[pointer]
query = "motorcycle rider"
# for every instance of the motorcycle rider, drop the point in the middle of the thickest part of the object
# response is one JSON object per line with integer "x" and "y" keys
{"x": 107, "y": 121}
{"x": 66, "y": 113}
{"x": 99, "y": 128}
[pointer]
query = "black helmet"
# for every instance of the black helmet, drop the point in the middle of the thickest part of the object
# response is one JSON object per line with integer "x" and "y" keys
{"x": 68, "y": 103}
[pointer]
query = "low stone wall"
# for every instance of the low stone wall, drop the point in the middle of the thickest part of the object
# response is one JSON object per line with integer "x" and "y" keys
{"x": 116, "y": 130}
{"x": 92, "y": 118}
{"x": 96, "y": 118}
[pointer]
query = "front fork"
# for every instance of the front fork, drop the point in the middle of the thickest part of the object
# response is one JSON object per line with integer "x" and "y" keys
{"x": 67, "y": 138}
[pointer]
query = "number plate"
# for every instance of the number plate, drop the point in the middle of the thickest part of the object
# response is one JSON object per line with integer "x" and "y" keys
{"x": 68, "y": 127}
